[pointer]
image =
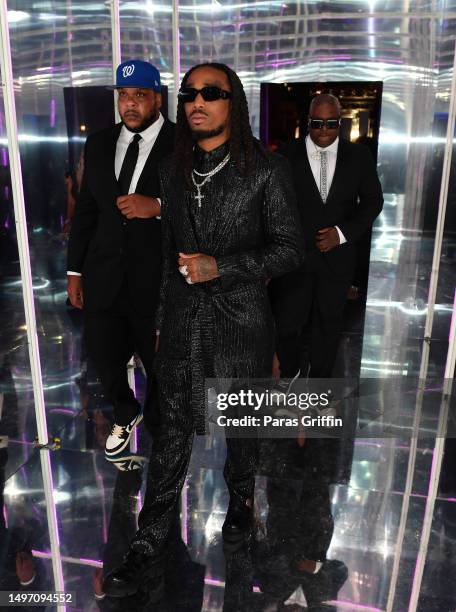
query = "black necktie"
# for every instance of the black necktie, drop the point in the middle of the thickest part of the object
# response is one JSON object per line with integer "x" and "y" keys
{"x": 129, "y": 165}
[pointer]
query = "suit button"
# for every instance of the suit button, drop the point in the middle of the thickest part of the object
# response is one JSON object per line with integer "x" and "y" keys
{"x": 121, "y": 250}
{"x": 124, "y": 223}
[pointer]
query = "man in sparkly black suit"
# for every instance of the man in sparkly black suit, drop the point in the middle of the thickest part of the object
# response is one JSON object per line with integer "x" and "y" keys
{"x": 229, "y": 223}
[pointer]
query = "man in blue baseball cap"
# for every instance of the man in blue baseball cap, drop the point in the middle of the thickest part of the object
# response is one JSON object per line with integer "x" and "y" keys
{"x": 139, "y": 94}
{"x": 136, "y": 73}
{"x": 114, "y": 250}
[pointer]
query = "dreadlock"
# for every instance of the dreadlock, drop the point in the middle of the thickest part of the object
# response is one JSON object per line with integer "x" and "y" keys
{"x": 242, "y": 142}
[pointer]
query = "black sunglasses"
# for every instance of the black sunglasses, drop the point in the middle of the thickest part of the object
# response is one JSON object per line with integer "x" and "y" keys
{"x": 210, "y": 94}
{"x": 330, "y": 124}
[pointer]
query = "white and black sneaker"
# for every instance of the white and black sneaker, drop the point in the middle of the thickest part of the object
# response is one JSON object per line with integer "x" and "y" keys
{"x": 119, "y": 437}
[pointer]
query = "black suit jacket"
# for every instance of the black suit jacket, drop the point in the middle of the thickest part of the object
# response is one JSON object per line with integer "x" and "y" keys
{"x": 104, "y": 246}
{"x": 224, "y": 328}
{"x": 354, "y": 201}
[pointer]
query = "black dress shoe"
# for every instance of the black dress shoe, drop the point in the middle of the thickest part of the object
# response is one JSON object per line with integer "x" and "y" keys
{"x": 136, "y": 573}
{"x": 325, "y": 584}
{"x": 237, "y": 528}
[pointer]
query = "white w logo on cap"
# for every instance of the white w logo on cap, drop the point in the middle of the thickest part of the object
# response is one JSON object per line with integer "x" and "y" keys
{"x": 128, "y": 70}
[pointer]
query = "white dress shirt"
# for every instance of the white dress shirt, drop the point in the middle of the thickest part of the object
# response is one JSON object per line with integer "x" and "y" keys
{"x": 148, "y": 138}
{"x": 315, "y": 166}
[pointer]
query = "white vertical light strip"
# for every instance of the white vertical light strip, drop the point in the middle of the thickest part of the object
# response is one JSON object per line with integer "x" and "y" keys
{"x": 176, "y": 60}
{"x": 425, "y": 362}
{"x": 440, "y": 224}
{"x": 27, "y": 289}
{"x": 184, "y": 513}
{"x": 131, "y": 381}
{"x": 371, "y": 29}
{"x": 114, "y": 6}
{"x": 437, "y": 457}
{"x": 406, "y": 499}
{"x": 451, "y": 355}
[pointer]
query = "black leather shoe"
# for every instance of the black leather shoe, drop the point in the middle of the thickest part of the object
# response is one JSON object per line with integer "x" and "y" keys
{"x": 325, "y": 584}
{"x": 237, "y": 528}
{"x": 136, "y": 573}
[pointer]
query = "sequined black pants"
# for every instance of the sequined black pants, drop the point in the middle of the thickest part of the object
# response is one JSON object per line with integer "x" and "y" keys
{"x": 170, "y": 458}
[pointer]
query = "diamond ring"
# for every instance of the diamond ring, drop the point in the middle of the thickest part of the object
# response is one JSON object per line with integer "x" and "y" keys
{"x": 183, "y": 270}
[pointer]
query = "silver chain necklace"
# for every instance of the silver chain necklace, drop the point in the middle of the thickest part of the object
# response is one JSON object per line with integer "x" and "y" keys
{"x": 207, "y": 177}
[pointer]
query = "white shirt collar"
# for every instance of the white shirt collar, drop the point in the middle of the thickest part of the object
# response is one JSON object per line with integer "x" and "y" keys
{"x": 148, "y": 135}
{"x": 331, "y": 149}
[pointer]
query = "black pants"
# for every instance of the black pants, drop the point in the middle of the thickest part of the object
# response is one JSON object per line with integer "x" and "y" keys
{"x": 122, "y": 524}
{"x": 112, "y": 337}
{"x": 308, "y": 308}
{"x": 300, "y": 524}
{"x": 170, "y": 458}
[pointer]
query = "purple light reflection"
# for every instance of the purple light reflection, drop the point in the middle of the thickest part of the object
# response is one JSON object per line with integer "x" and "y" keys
{"x": 46, "y": 554}
{"x": 354, "y": 606}
{"x": 52, "y": 117}
{"x": 93, "y": 562}
{"x": 276, "y": 63}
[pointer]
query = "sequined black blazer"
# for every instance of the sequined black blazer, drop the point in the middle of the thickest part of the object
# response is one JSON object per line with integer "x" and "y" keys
{"x": 253, "y": 231}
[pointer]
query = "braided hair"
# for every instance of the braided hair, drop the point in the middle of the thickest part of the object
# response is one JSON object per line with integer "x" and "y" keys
{"x": 242, "y": 143}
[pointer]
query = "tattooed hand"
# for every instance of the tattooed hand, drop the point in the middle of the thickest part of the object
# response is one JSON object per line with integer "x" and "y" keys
{"x": 200, "y": 267}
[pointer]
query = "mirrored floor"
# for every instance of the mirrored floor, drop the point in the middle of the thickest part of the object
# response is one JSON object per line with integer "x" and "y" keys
{"x": 97, "y": 510}
{"x": 355, "y": 511}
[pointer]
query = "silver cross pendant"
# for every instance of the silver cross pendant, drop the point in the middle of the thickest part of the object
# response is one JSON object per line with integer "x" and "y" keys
{"x": 199, "y": 197}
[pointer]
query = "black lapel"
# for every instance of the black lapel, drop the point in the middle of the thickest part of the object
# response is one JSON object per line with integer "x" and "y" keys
{"x": 339, "y": 171}
{"x": 181, "y": 222}
{"x": 226, "y": 208}
{"x": 108, "y": 161}
{"x": 303, "y": 175}
{"x": 307, "y": 176}
{"x": 159, "y": 150}
{"x": 177, "y": 198}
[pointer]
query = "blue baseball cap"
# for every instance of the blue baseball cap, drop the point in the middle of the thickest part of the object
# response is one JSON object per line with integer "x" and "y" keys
{"x": 136, "y": 73}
